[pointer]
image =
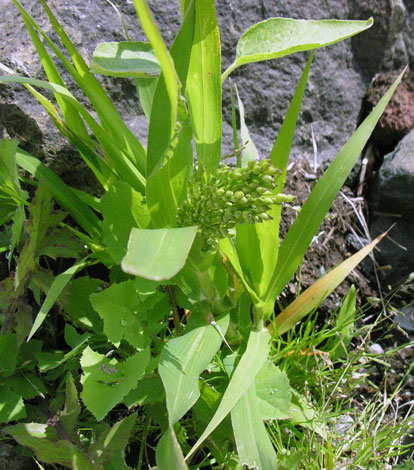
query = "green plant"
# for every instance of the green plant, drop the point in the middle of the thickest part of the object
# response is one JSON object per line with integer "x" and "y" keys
{"x": 175, "y": 239}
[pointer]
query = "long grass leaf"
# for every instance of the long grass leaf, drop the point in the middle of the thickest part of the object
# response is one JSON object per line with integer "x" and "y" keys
{"x": 254, "y": 357}
{"x": 169, "y": 454}
{"x": 108, "y": 116}
{"x": 59, "y": 283}
{"x": 123, "y": 165}
{"x": 304, "y": 228}
{"x": 253, "y": 443}
{"x": 204, "y": 86}
{"x": 62, "y": 193}
{"x": 313, "y": 296}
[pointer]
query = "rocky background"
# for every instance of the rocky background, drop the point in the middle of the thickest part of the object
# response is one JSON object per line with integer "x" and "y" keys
{"x": 340, "y": 92}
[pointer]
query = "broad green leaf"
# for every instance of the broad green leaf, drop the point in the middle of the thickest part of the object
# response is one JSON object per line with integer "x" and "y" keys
{"x": 306, "y": 415}
{"x": 278, "y": 37}
{"x": 302, "y": 231}
{"x": 125, "y": 59}
{"x": 106, "y": 381}
{"x": 61, "y": 192}
{"x": 119, "y": 308}
{"x": 166, "y": 188}
{"x": 272, "y": 392}
{"x": 11, "y": 404}
{"x": 158, "y": 254}
{"x": 258, "y": 244}
{"x": 8, "y": 354}
{"x": 253, "y": 443}
{"x": 117, "y": 462}
{"x": 78, "y": 305}
{"x": 149, "y": 391}
{"x": 122, "y": 208}
{"x": 204, "y": 86}
{"x": 43, "y": 440}
{"x": 181, "y": 363}
{"x": 249, "y": 151}
{"x": 254, "y": 357}
{"x": 162, "y": 126}
{"x": 168, "y": 454}
{"x": 60, "y": 282}
{"x": 313, "y": 296}
{"x": 68, "y": 418}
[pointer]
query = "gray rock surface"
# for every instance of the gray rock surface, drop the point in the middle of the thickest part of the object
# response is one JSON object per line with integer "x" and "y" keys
{"x": 337, "y": 82}
{"x": 393, "y": 202}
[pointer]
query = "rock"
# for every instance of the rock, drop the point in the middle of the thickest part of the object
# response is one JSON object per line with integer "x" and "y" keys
{"x": 375, "y": 348}
{"x": 393, "y": 191}
{"x": 406, "y": 318}
{"x": 331, "y": 104}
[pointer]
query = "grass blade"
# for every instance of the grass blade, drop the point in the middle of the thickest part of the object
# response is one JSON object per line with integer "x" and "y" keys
{"x": 313, "y": 296}
{"x": 204, "y": 86}
{"x": 250, "y": 363}
{"x": 168, "y": 454}
{"x": 55, "y": 290}
{"x": 302, "y": 231}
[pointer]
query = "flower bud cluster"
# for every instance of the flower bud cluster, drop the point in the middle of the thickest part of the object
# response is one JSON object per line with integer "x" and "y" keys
{"x": 218, "y": 202}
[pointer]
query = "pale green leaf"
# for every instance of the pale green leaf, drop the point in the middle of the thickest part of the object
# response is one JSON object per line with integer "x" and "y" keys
{"x": 278, "y": 37}
{"x": 253, "y": 443}
{"x": 169, "y": 454}
{"x": 158, "y": 254}
{"x": 181, "y": 363}
{"x": 304, "y": 228}
{"x": 272, "y": 392}
{"x": 254, "y": 357}
{"x": 80, "y": 461}
{"x": 146, "y": 89}
{"x": 125, "y": 59}
{"x": 122, "y": 208}
{"x": 149, "y": 391}
{"x": 106, "y": 381}
{"x": 119, "y": 308}
{"x": 204, "y": 86}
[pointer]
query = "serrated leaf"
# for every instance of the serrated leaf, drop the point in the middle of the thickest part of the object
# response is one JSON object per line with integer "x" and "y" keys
{"x": 158, "y": 254}
{"x": 125, "y": 59}
{"x": 106, "y": 381}
{"x": 119, "y": 308}
{"x": 181, "y": 363}
{"x": 69, "y": 416}
{"x": 78, "y": 304}
{"x": 272, "y": 392}
{"x": 43, "y": 440}
{"x": 122, "y": 209}
{"x": 278, "y": 37}
{"x": 61, "y": 243}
